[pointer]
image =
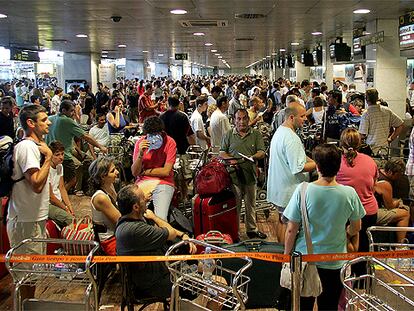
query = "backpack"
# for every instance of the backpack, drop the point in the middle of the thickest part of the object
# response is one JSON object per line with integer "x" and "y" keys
{"x": 6, "y": 166}
{"x": 212, "y": 179}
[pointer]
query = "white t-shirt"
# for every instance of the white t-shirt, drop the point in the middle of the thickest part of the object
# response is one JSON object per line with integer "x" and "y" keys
{"x": 197, "y": 124}
{"x": 220, "y": 125}
{"x": 25, "y": 204}
{"x": 101, "y": 135}
{"x": 211, "y": 101}
{"x": 55, "y": 104}
{"x": 54, "y": 180}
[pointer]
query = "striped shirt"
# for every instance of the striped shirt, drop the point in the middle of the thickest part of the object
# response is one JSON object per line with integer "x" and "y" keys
{"x": 376, "y": 124}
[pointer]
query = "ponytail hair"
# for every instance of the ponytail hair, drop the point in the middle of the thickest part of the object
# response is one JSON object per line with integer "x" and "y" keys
{"x": 350, "y": 142}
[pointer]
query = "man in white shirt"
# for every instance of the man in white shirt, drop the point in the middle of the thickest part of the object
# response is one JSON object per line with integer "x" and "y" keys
{"x": 100, "y": 132}
{"x": 56, "y": 100}
{"x": 29, "y": 200}
{"x": 215, "y": 93}
{"x": 219, "y": 123}
{"x": 197, "y": 123}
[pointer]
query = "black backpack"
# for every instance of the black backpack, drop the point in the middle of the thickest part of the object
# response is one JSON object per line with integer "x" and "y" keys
{"x": 6, "y": 166}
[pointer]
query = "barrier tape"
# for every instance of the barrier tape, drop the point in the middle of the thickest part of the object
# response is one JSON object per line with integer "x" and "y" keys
{"x": 261, "y": 256}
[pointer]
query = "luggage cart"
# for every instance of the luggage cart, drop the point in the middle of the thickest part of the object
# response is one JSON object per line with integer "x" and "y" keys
{"x": 59, "y": 286}
{"x": 231, "y": 294}
{"x": 377, "y": 293}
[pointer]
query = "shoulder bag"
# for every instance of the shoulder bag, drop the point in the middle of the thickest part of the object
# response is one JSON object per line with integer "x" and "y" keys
{"x": 311, "y": 285}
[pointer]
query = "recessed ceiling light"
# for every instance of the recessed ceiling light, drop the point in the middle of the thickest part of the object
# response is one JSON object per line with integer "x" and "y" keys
{"x": 282, "y": 50}
{"x": 144, "y": 51}
{"x": 198, "y": 34}
{"x": 172, "y": 57}
{"x": 274, "y": 53}
{"x": 268, "y": 56}
{"x": 217, "y": 54}
{"x": 3, "y": 16}
{"x": 160, "y": 55}
{"x": 122, "y": 45}
{"x": 104, "y": 52}
{"x": 220, "y": 56}
{"x": 208, "y": 44}
{"x": 294, "y": 43}
{"x": 214, "y": 51}
{"x": 81, "y": 35}
{"x": 178, "y": 12}
{"x": 316, "y": 33}
{"x": 362, "y": 11}
{"x": 264, "y": 58}
{"x": 104, "y": 55}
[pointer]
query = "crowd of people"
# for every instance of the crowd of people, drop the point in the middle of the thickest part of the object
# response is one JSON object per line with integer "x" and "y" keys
{"x": 64, "y": 140}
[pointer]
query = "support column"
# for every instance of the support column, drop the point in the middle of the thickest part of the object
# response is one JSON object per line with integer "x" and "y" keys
{"x": 302, "y": 72}
{"x": 329, "y": 67}
{"x": 134, "y": 68}
{"x": 77, "y": 66}
{"x": 390, "y": 67}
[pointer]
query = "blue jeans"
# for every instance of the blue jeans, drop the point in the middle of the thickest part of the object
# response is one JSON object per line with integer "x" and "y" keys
{"x": 161, "y": 198}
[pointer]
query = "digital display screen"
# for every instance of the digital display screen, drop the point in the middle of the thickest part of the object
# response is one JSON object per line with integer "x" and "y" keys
{"x": 407, "y": 37}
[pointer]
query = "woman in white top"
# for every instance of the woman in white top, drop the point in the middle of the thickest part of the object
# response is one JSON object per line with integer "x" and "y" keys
{"x": 317, "y": 111}
{"x": 103, "y": 173}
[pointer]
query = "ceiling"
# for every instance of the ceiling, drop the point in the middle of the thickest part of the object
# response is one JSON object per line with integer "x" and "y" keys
{"x": 148, "y": 25}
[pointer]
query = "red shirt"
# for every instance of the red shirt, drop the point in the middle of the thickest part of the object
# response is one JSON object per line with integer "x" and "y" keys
{"x": 158, "y": 158}
{"x": 144, "y": 111}
{"x": 361, "y": 177}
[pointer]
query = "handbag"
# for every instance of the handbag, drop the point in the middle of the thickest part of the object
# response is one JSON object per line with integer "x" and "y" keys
{"x": 178, "y": 220}
{"x": 310, "y": 282}
{"x": 81, "y": 230}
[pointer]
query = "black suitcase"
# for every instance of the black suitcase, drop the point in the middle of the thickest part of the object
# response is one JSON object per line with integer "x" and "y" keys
{"x": 264, "y": 289}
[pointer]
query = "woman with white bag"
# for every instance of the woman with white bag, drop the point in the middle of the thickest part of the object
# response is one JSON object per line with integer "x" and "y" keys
{"x": 327, "y": 208}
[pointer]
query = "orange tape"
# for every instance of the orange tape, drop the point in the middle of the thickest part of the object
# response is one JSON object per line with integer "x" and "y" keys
{"x": 261, "y": 256}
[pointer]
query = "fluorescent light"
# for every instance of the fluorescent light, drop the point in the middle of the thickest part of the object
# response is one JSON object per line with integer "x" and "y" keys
{"x": 198, "y": 34}
{"x": 274, "y": 53}
{"x": 217, "y": 54}
{"x": 371, "y": 61}
{"x": 160, "y": 55}
{"x": 208, "y": 44}
{"x": 294, "y": 43}
{"x": 122, "y": 45}
{"x": 268, "y": 56}
{"x": 104, "y": 52}
{"x": 316, "y": 33}
{"x": 172, "y": 57}
{"x": 81, "y": 35}
{"x": 282, "y": 50}
{"x": 144, "y": 51}
{"x": 220, "y": 56}
{"x": 213, "y": 51}
{"x": 3, "y": 16}
{"x": 264, "y": 58}
{"x": 104, "y": 55}
{"x": 178, "y": 12}
{"x": 362, "y": 11}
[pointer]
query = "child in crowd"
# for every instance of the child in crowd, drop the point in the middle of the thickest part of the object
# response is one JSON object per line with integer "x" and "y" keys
{"x": 60, "y": 207}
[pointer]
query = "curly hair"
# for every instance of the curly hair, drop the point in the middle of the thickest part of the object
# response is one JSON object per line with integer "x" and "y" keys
{"x": 153, "y": 125}
{"x": 97, "y": 170}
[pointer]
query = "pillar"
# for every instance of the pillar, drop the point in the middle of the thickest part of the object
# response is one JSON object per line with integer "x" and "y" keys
{"x": 134, "y": 68}
{"x": 390, "y": 67}
{"x": 80, "y": 66}
{"x": 302, "y": 72}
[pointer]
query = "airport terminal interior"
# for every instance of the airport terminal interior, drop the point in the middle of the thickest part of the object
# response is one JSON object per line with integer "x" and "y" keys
{"x": 269, "y": 144}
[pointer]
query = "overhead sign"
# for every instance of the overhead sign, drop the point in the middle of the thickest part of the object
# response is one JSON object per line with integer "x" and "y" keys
{"x": 24, "y": 55}
{"x": 372, "y": 39}
{"x": 407, "y": 19}
{"x": 181, "y": 56}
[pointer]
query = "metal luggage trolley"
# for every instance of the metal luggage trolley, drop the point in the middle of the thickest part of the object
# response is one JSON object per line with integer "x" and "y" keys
{"x": 59, "y": 286}
{"x": 232, "y": 295}
{"x": 389, "y": 283}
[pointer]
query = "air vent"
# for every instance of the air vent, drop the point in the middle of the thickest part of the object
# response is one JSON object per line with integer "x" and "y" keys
{"x": 250, "y": 16}
{"x": 245, "y": 39}
{"x": 204, "y": 23}
{"x": 242, "y": 50}
{"x": 57, "y": 40}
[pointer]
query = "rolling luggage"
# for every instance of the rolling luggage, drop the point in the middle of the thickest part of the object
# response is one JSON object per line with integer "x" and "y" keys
{"x": 264, "y": 288}
{"x": 216, "y": 212}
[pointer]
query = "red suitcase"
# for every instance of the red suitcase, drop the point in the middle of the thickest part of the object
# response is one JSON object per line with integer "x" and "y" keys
{"x": 214, "y": 237}
{"x": 4, "y": 239}
{"x": 217, "y": 212}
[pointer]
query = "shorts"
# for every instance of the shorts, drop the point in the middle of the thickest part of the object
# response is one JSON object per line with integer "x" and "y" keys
{"x": 69, "y": 170}
{"x": 387, "y": 216}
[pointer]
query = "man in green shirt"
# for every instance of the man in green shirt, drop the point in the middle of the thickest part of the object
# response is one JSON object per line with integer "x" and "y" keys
{"x": 65, "y": 129}
{"x": 247, "y": 141}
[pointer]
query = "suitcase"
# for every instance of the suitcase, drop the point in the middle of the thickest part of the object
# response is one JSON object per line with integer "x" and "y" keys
{"x": 264, "y": 288}
{"x": 4, "y": 239}
{"x": 217, "y": 212}
{"x": 214, "y": 237}
{"x": 52, "y": 232}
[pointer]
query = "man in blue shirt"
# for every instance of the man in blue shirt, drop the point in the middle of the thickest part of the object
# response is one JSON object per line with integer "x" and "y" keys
{"x": 288, "y": 162}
